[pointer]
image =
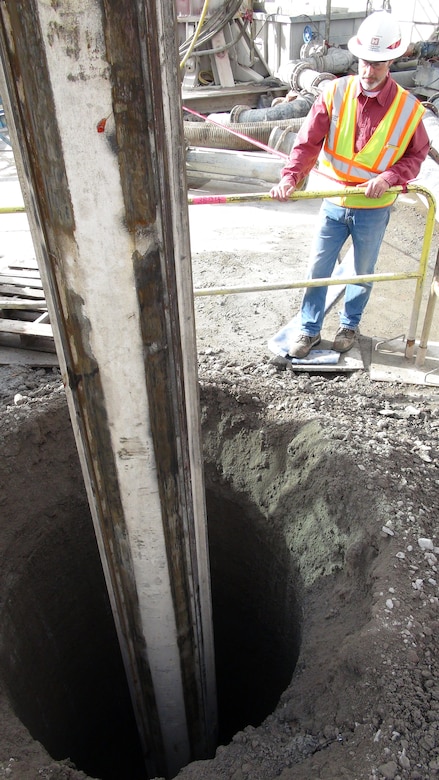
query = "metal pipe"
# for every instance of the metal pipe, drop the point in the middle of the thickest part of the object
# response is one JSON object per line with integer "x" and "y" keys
{"x": 309, "y": 73}
{"x": 225, "y": 164}
{"x": 427, "y": 77}
{"x": 292, "y": 109}
{"x": 428, "y": 319}
{"x": 305, "y": 78}
{"x": 203, "y": 200}
{"x": 405, "y": 78}
{"x": 327, "y": 20}
{"x": 320, "y": 282}
{"x": 423, "y": 265}
{"x": 320, "y": 59}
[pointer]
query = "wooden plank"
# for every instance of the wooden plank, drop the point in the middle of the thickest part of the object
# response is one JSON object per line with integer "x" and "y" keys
{"x": 28, "y": 292}
{"x": 29, "y": 262}
{"x": 23, "y": 328}
{"x": 21, "y": 269}
{"x": 30, "y": 278}
{"x": 44, "y": 317}
{"x": 221, "y": 60}
{"x": 22, "y": 303}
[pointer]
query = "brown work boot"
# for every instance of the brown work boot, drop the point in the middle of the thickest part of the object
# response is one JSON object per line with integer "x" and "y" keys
{"x": 344, "y": 339}
{"x": 303, "y": 344}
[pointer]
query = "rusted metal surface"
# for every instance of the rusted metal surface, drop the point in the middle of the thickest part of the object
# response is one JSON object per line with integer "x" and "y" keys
{"x": 109, "y": 211}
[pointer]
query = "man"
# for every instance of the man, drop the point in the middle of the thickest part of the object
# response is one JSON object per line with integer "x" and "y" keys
{"x": 367, "y": 132}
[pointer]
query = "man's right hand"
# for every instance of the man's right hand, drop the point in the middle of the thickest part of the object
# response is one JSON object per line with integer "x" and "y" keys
{"x": 282, "y": 190}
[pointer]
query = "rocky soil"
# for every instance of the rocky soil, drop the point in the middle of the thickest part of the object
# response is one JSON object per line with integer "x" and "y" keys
{"x": 345, "y": 468}
{"x": 362, "y": 702}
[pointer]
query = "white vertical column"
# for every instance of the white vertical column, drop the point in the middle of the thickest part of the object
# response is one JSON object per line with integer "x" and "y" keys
{"x": 94, "y": 94}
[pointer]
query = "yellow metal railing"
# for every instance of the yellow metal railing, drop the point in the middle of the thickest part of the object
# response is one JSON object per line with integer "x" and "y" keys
{"x": 428, "y": 319}
{"x": 419, "y": 274}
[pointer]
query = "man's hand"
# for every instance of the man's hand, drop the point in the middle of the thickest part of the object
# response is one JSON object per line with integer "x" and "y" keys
{"x": 376, "y": 187}
{"x": 282, "y": 190}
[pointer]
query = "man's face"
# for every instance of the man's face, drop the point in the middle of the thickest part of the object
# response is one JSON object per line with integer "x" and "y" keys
{"x": 372, "y": 74}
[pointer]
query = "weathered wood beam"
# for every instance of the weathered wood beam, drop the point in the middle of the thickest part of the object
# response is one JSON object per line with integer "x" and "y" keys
{"x": 108, "y": 215}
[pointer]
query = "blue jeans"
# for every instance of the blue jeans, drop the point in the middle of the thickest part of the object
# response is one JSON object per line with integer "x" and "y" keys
{"x": 336, "y": 224}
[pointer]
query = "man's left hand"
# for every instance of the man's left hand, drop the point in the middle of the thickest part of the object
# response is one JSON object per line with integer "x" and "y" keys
{"x": 376, "y": 187}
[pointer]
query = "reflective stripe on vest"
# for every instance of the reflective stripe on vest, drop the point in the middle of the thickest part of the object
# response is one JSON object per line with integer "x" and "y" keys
{"x": 386, "y": 145}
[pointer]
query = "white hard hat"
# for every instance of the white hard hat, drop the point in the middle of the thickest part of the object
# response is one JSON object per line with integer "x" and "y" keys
{"x": 378, "y": 38}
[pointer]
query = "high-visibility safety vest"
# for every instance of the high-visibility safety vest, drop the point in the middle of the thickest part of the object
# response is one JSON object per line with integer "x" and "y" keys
{"x": 386, "y": 145}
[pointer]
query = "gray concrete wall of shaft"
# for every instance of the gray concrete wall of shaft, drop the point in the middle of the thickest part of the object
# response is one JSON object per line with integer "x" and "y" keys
{"x": 108, "y": 216}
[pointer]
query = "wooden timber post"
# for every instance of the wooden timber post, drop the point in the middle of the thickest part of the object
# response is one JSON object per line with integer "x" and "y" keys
{"x": 92, "y": 92}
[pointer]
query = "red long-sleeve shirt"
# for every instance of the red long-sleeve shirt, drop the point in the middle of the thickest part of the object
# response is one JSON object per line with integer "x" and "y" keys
{"x": 370, "y": 111}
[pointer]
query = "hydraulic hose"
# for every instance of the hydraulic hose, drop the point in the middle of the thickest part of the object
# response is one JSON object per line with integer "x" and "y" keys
{"x": 208, "y": 135}
{"x": 211, "y": 26}
{"x": 196, "y": 34}
{"x": 218, "y": 49}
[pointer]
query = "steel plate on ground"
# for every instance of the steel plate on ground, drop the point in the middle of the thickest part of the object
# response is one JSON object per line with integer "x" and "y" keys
{"x": 389, "y": 364}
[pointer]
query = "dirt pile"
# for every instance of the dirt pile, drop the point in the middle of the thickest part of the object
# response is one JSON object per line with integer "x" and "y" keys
{"x": 362, "y": 522}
